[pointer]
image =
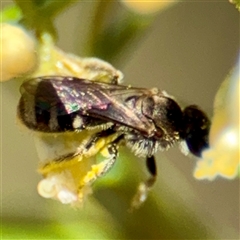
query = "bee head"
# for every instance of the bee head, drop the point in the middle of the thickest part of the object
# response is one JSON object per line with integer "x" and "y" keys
{"x": 165, "y": 113}
{"x": 196, "y": 126}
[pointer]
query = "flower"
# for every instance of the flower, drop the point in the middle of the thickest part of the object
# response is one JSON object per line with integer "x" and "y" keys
{"x": 147, "y": 7}
{"x": 18, "y": 52}
{"x": 222, "y": 158}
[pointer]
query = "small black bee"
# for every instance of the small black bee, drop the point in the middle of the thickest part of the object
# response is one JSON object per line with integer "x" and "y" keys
{"x": 145, "y": 120}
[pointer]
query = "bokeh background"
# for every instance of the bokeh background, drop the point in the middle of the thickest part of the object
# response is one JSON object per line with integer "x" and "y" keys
{"x": 188, "y": 49}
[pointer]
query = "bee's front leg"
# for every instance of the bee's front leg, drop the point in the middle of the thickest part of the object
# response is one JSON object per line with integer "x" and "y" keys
{"x": 144, "y": 187}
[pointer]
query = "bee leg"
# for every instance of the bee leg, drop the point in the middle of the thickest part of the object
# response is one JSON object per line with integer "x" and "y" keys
{"x": 144, "y": 187}
{"x": 98, "y": 141}
{"x": 110, "y": 153}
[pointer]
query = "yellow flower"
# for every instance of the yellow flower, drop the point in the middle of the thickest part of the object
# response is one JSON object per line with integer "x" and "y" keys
{"x": 54, "y": 61}
{"x": 222, "y": 158}
{"x": 68, "y": 169}
{"x": 146, "y": 6}
{"x": 18, "y": 52}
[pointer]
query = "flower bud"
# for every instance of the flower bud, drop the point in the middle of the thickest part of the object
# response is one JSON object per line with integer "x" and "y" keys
{"x": 18, "y": 55}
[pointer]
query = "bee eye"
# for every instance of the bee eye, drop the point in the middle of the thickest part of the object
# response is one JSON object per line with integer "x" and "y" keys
{"x": 196, "y": 126}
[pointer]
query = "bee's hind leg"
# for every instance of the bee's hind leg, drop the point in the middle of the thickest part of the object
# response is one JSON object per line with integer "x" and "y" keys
{"x": 144, "y": 187}
{"x": 110, "y": 154}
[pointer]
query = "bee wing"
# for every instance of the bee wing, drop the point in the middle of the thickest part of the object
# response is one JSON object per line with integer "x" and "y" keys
{"x": 67, "y": 95}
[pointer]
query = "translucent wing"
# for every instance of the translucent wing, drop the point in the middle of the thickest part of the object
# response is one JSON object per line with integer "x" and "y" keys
{"x": 56, "y": 103}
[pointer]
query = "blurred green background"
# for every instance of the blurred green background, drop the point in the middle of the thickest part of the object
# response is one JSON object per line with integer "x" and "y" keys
{"x": 187, "y": 50}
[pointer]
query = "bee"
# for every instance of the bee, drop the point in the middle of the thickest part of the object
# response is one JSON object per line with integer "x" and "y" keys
{"x": 145, "y": 120}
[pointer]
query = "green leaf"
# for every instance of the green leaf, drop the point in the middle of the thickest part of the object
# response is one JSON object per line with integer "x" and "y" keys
{"x": 52, "y": 8}
{"x": 29, "y": 229}
{"x": 11, "y": 14}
